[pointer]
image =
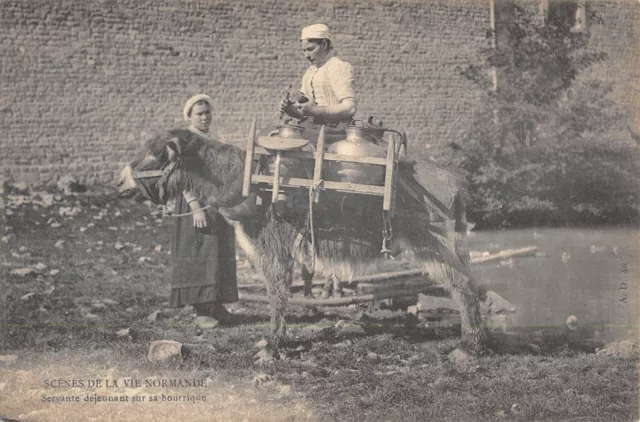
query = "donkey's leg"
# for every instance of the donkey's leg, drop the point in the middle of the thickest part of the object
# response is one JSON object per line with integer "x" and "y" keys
{"x": 475, "y": 337}
{"x": 276, "y": 263}
{"x": 464, "y": 289}
{"x": 307, "y": 278}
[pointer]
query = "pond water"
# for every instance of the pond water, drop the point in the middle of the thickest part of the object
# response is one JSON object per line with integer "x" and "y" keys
{"x": 589, "y": 273}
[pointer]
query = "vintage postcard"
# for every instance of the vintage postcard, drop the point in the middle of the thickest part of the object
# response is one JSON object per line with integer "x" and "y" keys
{"x": 342, "y": 210}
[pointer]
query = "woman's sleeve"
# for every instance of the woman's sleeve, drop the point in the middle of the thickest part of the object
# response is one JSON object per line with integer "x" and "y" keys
{"x": 189, "y": 196}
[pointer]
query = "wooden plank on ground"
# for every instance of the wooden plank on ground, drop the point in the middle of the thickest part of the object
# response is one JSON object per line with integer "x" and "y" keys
{"x": 507, "y": 253}
{"x": 411, "y": 284}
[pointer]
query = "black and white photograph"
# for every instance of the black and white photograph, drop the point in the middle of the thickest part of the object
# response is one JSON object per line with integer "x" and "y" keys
{"x": 344, "y": 210}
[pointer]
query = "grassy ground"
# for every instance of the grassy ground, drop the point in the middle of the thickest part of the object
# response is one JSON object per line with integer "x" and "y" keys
{"x": 106, "y": 268}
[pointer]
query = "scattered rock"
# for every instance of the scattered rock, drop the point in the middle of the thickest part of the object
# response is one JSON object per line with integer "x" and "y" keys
{"x": 49, "y": 290}
{"x": 625, "y": 349}
{"x": 54, "y": 272}
{"x": 16, "y": 188}
{"x": 55, "y": 225}
{"x": 343, "y": 344}
{"x": 91, "y": 317}
{"x": 322, "y": 325}
{"x": 125, "y": 332}
{"x": 261, "y": 379}
{"x": 263, "y": 343}
{"x": 154, "y": 316}
{"x": 98, "y": 306}
{"x": 8, "y": 359}
{"x": 40, "y": 267}
{"x": 373, "y": 356}
{"x": 118, "y": 246}
{"x": 264, "y": 358}
{"x": 515, "y": 409}
{"x": 59, "y": 244}
{"x": 27, "y": 297}
{"x": 507, "y": 263}
{"x": 496, "y": 304}
{"x": 345, "y": 327}
{"x": 164, "y": 350}
{"x": 110, "y": 302}
{"x": 461, "y": 358}
{"x": 8, "y": 238}
{"x": 23, "y": 272}
{"x": 144, "y": 259}
{"x": 158, "y": 248}
{"x": 69, "y": 211}
{"x": 68, "y": 184}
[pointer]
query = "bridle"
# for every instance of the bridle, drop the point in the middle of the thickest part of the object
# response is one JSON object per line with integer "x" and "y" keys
{"x": 161, "y": 185}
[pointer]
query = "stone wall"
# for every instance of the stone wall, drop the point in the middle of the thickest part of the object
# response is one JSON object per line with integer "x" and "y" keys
{"x": 84, "y": 82}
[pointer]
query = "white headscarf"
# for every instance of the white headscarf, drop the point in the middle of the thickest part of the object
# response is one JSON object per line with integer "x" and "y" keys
{"x": 318, "y": 30}
{"x": 192, "y": 101}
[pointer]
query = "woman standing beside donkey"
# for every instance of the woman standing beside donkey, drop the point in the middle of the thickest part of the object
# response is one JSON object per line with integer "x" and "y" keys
{"x": 203, "y": 245}
{"x": 203, "y": 250}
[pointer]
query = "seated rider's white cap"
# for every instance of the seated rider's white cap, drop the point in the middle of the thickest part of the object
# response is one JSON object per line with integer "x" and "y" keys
{"x": 318, "y": 30}
{"x": 192, "y": 101}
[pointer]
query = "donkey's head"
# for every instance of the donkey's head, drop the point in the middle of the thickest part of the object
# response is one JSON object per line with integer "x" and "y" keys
{"x": 156, "y": 172}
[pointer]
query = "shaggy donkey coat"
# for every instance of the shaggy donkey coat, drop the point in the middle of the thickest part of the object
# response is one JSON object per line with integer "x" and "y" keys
{"x": 347, "y": 227}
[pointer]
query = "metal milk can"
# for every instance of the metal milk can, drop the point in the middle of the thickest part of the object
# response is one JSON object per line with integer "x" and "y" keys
{"x": 357, "y": 144}
{"x": 288, "y": 166}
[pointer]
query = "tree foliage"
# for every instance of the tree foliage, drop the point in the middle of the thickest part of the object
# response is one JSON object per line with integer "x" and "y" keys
{"x": 548, "y": 145}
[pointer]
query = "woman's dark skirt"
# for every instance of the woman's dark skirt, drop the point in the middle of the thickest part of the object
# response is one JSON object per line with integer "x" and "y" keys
{"x": 204, "y": 260}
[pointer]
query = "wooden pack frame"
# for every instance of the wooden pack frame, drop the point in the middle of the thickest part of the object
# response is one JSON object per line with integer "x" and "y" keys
{"x": 277, "y": 182}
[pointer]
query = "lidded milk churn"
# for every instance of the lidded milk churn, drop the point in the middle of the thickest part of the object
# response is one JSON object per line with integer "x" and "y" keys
{"x": 358, "y": 144}
{"x": 288, "y": 166}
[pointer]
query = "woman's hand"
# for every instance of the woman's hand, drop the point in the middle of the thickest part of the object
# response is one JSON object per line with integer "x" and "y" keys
{"x": 199, "y": 219}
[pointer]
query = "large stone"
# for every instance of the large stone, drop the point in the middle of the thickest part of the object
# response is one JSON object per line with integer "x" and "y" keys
{"x": 164, "y": 350}
{"x": 462, "y": 359}
{"x": 625, "y": 349}
{"x": 496, "y": 304}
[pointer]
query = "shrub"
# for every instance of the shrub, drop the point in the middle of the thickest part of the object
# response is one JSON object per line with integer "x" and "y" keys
{"x": 548, "y": 146}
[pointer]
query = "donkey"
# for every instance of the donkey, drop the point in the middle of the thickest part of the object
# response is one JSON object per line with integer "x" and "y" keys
{"x": 345, "y": 230}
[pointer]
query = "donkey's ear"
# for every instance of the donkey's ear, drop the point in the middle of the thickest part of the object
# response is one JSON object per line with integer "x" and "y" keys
{"x": 173, "y": 149}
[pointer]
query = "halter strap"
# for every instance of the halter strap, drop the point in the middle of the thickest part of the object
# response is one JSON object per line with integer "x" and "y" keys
{"x": 146, "y": 174}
